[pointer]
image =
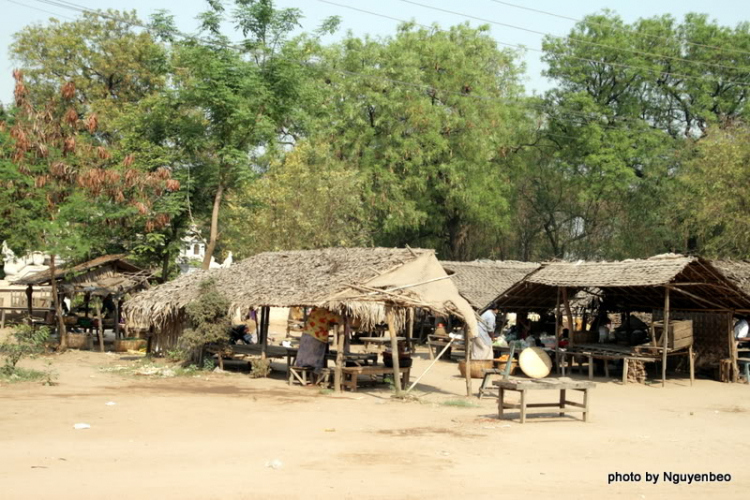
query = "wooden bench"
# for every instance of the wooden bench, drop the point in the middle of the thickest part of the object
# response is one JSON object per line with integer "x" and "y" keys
{"x": 350, "y": 375}
{"x": 562, "y": 406}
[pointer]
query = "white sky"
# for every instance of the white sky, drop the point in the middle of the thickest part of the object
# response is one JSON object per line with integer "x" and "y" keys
{"x": 18, "y": 13}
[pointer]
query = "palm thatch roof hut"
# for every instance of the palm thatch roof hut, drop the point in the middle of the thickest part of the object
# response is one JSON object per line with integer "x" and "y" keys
{"x": 685, "y": 287}
{"x": 361, "y": 282}
{"x": 481, "y": 282}
{"x": 109, "y": 274}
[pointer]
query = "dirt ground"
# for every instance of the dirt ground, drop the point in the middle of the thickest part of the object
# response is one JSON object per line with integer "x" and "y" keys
{"x": 215, "y": 436}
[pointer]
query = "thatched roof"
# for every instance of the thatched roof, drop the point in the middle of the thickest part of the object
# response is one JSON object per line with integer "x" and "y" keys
{"x": 637, "y": 284}
{"x": 738, "y": 271}
{"x": 334, "y": 277}
{"x": 106, "y": 274}
{"x": 481, "y": 282}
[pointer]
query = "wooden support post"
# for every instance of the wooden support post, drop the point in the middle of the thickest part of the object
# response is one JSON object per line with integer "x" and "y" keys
{"x": 569, "y": 314}
{"x": 100, "y": 328}
{"x": 665, "y": 339}
{"x": 735, "y": 369}
{"x": 557, "y": 333}
{"x": 264, "y": 311}
{"x": 562, "y": 402}
{"x": 394, "y": 351}
{"x": 625, "y": 370}
{"x": 692, "y": 365}
{"x": 117, "y": 318}
{"x": 410, "y": 329}
{"x": 467, "y": 358}
{"x": 339, "y": 356}
{"x": 29, "y": 306}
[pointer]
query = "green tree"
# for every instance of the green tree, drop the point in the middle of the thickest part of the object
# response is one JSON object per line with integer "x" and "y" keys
{"x": 112, "y": 63}
{"x": 433, "y": 153}
{"x": 712, "y": 200}
{"x": 73, "y": 194}
{"x": 308, "y": 199}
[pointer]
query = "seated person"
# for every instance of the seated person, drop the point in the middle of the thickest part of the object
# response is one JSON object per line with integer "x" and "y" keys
{"x": 565, "y": 338}
{"x": 314, "y": 341}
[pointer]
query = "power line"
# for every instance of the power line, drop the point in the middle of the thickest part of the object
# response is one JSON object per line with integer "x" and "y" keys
{"x": 40, "y": 10}
{"x": 577, "y": 58}
{"x": 611, "y": 26}
{"x": 569, "y": 38}
{"x": 425, "y": 87}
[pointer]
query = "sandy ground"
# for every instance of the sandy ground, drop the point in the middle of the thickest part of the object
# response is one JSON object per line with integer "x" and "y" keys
{"x": 213, "y": 436}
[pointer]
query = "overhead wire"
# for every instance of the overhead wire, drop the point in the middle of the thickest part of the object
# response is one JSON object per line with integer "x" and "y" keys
{"x": 577, "y": 58}
{"x": 568, "y": 38}
{"x": 428, "y": 88}
{"x": 40, "y": 10}
{"x": 611, "y": 26}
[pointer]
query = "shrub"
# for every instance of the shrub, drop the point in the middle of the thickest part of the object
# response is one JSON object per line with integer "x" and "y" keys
{"x": 25, "y": 341}
{"x": 209, "y": 319}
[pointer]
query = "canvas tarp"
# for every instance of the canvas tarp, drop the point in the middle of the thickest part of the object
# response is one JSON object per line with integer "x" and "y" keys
{"x": 424, "y": 280}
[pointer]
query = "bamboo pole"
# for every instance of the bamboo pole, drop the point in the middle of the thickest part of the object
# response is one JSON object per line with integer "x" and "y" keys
{"x": 394, "y": 351}
{"x": 665, "y": 340}
{"x": 431, "y": 365}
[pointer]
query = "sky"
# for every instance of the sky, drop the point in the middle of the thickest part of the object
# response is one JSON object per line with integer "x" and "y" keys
{"x": 14, "y": 14}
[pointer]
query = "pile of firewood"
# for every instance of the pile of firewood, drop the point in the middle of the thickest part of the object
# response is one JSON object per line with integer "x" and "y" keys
{"x": 636, "y": 372}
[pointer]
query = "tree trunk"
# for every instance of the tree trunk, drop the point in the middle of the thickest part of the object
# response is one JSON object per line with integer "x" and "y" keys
{"x": 58, "y": 310}
{"x": 458, "y": 233}
{"x": 214, "y": 235}
{"x": 165, "y": 261}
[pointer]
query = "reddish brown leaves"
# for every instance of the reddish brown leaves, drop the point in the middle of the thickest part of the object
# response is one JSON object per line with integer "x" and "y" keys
{"x": 173, "y": 185}
{"x": 68, "y": 90}
{"x": 163, "y": 173}
{"x": 128, "y": 161}
{"x": 69, "y": 145}
{"x": 103, "y": 153}
{"x": 142, "y": 208}
{"x": 92, "y": 122}
{"x": 71, "y": 116}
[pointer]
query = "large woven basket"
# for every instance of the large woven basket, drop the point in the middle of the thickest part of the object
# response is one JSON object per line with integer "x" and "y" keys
{"x": 502, "y": 360}
{"x": 78, "y": 341}
{"x": 125, "y": 345}
{"x": 476, "y": 367}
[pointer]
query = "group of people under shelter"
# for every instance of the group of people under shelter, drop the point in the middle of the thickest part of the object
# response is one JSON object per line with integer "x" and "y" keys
{"x": 314, "y": 339}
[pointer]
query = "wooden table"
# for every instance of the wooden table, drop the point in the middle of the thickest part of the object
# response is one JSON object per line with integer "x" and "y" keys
{"x": 613, "y": 352}
{"x": 379, "y": 341}
{"x": 562, "y": 406}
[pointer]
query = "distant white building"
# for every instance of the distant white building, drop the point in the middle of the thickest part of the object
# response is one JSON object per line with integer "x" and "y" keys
{"x": 16, "y": 267}
{"x": 193, "y": 251}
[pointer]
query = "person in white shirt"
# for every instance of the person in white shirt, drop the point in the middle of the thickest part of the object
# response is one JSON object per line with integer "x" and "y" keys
{"x": 481, "y": 345}
{"x": 742, "y": 329}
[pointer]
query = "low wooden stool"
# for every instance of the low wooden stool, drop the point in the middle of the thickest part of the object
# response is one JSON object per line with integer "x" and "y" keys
{"x": 304, "y": 375}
